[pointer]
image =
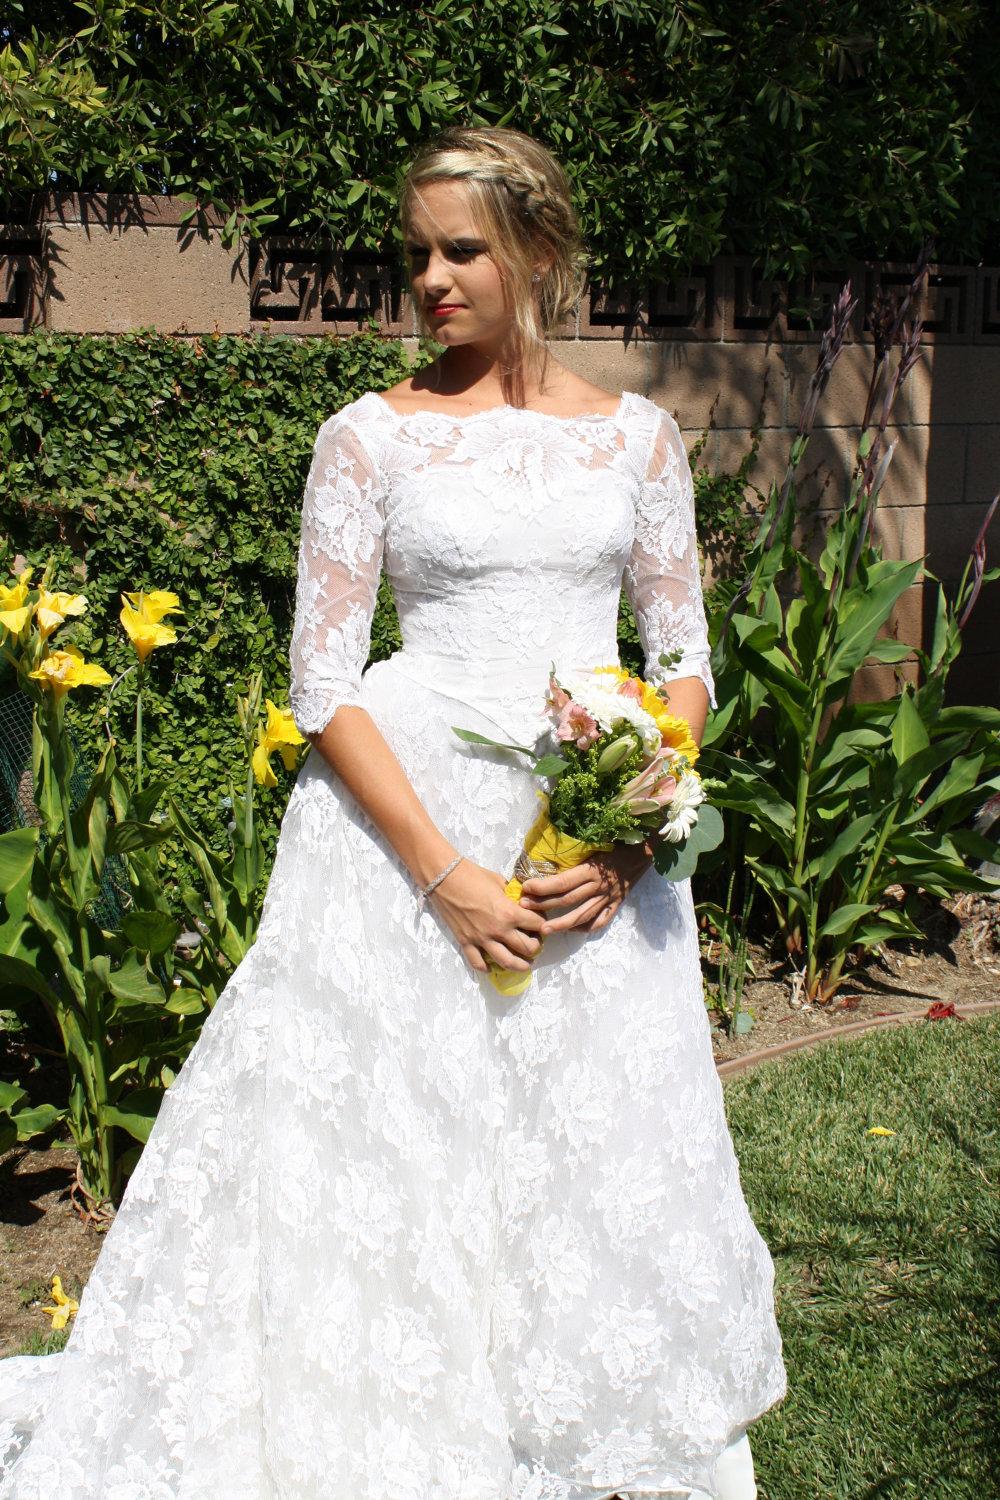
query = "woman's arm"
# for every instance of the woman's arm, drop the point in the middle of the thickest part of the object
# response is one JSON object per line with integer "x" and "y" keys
{"x": 339, "y": 563}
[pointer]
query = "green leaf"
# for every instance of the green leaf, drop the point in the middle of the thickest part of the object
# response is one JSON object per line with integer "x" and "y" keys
{"x": 131, "y": 983}
{"x": 909, "y": 737}
{"x": 136, "y": 1113}
{"x": 152, "y": 932}
{"x": 845, "y": 918}
{"x": 17, "y": 853}
{"x": 480, "y": 739}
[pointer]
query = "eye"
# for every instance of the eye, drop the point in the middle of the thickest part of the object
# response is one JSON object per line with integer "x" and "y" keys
{"x": 463, "y": 249}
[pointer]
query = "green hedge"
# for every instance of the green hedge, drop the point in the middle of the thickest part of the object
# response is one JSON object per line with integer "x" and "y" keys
{"x": 796, "y": 131}
{"x": 140, "y": 460}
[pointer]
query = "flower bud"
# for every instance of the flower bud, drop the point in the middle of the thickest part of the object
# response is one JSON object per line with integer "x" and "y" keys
{"x": 613, "y": 755}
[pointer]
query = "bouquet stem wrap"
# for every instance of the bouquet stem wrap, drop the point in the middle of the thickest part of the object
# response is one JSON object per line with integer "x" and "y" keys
{"x": 545, "y": 851}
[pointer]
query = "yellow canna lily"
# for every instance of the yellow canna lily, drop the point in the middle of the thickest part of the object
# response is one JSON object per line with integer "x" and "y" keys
{"x": 154, "y": 603}
{"x": 145, "y": 632}
{"x": 62, "y": 670}
{"x": 279, "y": 734}
{"x": 14, "y": 612}
{"x": 65, "y": 1307}
{"x": 53, "y": 608}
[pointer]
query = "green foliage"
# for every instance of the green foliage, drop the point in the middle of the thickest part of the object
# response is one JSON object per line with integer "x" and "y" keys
{"x": 792, "y": 132}
{"x": 140, "y": 460}
{"x": 834, "y": 804}
{"x": 107, "y": 998}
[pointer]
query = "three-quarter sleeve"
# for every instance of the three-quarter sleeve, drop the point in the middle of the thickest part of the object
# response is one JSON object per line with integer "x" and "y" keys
{"x": 662, "y": 577}
{"x": 340, "y": 559}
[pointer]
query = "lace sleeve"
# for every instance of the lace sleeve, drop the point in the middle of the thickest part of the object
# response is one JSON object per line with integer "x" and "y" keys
{"x": 662, "y": 578}
{"x": 340, "y": 558}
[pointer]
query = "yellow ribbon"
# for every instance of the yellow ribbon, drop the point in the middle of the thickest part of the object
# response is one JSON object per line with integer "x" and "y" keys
{"x": 544, "y": 844}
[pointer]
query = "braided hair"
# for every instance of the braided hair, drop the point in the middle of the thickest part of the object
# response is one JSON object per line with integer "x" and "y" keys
{"x": 521, "y": 196}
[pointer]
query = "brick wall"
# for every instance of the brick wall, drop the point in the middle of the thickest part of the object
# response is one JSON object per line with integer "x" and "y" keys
{"x": 719, "y": 346}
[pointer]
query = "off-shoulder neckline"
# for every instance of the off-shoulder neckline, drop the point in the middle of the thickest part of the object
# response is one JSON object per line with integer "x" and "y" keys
{"x": 493, "y": 411}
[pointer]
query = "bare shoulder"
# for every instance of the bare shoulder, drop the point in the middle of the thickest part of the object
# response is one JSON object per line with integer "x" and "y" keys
{"x": 401, "y": 395}
{"x": 572, "y": 393}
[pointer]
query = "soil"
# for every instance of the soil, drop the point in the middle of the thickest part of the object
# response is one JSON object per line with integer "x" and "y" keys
{"x": 958, "y": 964}
{"x": 41, "y": 1234}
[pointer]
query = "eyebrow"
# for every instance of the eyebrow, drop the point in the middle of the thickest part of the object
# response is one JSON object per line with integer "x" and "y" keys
{"x": 470, "y": 240}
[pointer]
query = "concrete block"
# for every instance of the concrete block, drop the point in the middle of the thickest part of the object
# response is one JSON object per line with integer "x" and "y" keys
{"x": 879, "y": 680}
{"x": 982, "y": 465}
{"x": 109, "y": 279}
{"x": 732, "y": 385}
{"x": 607, "y": 363}
{"x": 964, "y": 386}
{"x": 950, "y": 533}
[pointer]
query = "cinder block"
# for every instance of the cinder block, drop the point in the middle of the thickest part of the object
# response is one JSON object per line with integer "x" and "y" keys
{"x": 732, "y": 385}
{"x": 879, "y": 680}
{"x": 607, "y": 363}
{"x": 975, "y": 679}
{"x": 109, "y": 279}
{"x": 965, "y": 385}
{"x": 982, "y": 465}
{"x": 843, "y": 401}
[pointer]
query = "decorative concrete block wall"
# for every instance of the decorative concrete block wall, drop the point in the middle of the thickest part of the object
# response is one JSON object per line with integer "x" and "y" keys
{"x": 720, "y": 348}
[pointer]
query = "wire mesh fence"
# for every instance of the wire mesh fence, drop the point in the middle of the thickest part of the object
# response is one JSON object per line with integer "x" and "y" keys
{"x": 17, "y": 802}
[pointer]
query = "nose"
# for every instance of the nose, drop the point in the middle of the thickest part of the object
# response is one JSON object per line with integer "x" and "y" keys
{"x": 437, "y": 276}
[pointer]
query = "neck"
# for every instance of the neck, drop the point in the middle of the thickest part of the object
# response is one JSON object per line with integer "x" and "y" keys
{"x": 491, "y": 374}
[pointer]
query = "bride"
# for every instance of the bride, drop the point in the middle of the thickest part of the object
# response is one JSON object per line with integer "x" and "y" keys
{"x": 393, "y": 1235}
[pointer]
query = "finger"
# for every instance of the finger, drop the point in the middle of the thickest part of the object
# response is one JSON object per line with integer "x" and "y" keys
{"x": 525, "y": 943}
{"x": 580, "y": 892}
{"x": 474, "y": 958}
{"x": 502, "y": 955}
{"x": 562, "y": 880}
{"x": 528, "y": 920}
{"x": 574, "y": 918}
{"x": 603, "y": 917}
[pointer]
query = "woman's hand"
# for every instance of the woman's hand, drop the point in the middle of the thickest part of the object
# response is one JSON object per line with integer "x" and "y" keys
{"x": 486, "y": 922}
{"x": 593, "y": 890}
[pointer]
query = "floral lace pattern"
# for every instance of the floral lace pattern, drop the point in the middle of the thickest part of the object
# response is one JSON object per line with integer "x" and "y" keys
{"x": 393, "y": 1235}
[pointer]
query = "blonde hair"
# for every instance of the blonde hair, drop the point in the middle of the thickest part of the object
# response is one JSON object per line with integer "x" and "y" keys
{"x": 521, "y": 198}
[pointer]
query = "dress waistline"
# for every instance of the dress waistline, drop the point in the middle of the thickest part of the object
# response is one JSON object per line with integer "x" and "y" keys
{"x": 510, "y": 693}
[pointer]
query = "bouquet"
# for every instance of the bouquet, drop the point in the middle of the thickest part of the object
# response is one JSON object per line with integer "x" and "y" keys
{"x": 621, "y": 767}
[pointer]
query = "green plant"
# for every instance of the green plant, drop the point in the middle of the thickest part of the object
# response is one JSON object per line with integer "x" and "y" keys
{"x": 793, "y": 133}
{"x": 836, "y": 806}
{"x": 18, "y": 1124}
{"x": 227, "y": 922}
{"x": 107, "y": 995}
{"x": 137, "y": 459}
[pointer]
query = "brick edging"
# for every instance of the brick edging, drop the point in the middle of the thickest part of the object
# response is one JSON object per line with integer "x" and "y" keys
{"x": 734, "y": 1065}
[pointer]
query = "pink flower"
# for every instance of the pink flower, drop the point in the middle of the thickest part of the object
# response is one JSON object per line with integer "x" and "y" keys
{"x": 631, "y": 689}
{"x": 665, "y": 789}
{"x": 576, "y": 724}
{"x": 556, "y": 697}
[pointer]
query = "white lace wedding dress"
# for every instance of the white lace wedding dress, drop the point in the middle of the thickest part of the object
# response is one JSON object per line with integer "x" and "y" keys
{"x": 393, "y": 1236}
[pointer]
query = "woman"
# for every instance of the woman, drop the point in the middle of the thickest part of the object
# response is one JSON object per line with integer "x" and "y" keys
{"x": 394, "y": 1236}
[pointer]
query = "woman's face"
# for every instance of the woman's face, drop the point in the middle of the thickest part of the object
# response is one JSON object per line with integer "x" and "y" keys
{"x": 454, "y": 279}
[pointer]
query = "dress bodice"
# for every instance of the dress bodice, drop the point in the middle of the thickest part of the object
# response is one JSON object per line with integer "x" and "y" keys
{"x": 506, "y": 535}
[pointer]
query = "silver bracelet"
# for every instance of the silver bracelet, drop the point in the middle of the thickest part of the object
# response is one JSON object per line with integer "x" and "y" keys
{"x": 422, "y": 896}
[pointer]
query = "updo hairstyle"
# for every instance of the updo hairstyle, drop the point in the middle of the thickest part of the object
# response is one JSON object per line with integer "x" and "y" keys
{"x": 520, "y": 196}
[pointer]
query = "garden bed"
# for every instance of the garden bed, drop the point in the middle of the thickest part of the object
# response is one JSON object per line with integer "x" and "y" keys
{"x": 960, "y": 965}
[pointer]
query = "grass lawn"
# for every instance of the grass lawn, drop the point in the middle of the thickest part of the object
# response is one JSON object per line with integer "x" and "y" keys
{"x": 887, "y": 1261}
